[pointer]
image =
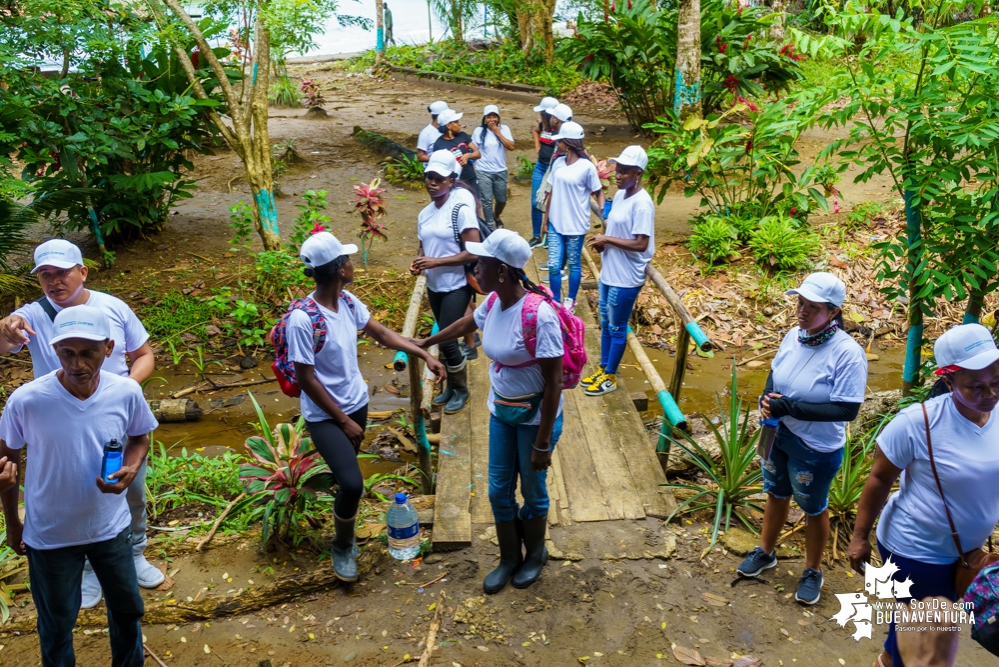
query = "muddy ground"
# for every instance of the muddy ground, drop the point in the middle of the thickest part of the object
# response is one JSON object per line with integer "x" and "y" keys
{"x": 625, "y": 593}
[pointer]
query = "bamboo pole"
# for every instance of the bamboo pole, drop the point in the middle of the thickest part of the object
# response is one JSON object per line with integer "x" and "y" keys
{"x": 704, "y": 344}
{"x": 401, "y": 362}
{"x": 412, "y": 318}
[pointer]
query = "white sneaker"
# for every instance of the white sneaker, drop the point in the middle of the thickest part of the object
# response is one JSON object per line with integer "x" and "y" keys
{"x": 570, "y": 305}
{"x": 149, "y": 576}
{"x": 90, "y": 589}
{"x": 543, "y": 267}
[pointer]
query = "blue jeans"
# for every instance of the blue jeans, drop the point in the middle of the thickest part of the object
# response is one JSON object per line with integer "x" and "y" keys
{"x": 559, "y": 247}
{"x": 615, "y": 311}
{"x": 536, "y": 177}
{"x": 928, "y": 580}
{"x": 55, "y": 588}
{"x": 510, "y": 449}
{"x": 796, "y": 469}
{"x": 492, "y": 189}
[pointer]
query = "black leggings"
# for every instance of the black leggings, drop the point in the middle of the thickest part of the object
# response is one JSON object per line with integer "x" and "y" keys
{"x": 449, "y": 307}
{"x": 341, "y": 456}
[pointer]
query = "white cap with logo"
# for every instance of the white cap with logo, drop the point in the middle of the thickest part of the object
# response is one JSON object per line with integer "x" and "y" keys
{"x": 322, "y": 248}
{"x": 547, "y": 104}
{"x": 59, "y": 253}
{"x": 562, "y": 112}
{"x": 632, "y": 156}
{"x": 437, "y": 107}
{"x": 448, "y": 116}
{"x": 969, "y": 346}
{"x": 80, "y": 322}
{"x": 490, "y": 108}
{"x": 443, "y": 163}
{"x": 821, "y": 287}
{"x": 569, "y": 130}
{"x": 505, "y": 245}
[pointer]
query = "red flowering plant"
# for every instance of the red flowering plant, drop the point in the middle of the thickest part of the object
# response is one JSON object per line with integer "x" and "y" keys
{"x": 285, "y": 477}
{"x": 606, "y": 173}
{"x": 371, "y": 206}
{"x": 312, "y": 96}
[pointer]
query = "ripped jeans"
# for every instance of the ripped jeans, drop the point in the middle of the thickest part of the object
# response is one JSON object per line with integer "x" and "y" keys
{"x": 795, "y": 469}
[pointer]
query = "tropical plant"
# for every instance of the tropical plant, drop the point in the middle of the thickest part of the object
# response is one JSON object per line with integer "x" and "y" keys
{"x": 369, "y": 203}
{"x": 380, "y": 478}
{"x": 734, "y": 481}
{"x": 284, "y": 92}
{"x": 404, "y": 170}
{"x": 312, "y": 96}
{"x": 10, "y": 565}
{"x": 525, "y": 169}
{"x": 780, "y": 244}
{"x": 844, "y": 494}
{"x": 285, "y": 479}
{"x": 310, "y": 220}
{"x": 714, "y": 239}
{"x": 176, "y": 355}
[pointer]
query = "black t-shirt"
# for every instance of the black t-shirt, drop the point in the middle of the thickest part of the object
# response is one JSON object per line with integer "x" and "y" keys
{"x": 547, "y": 146}
{"x": 458, "y": 146}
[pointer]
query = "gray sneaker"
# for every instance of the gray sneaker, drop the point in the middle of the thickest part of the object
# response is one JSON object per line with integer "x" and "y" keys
{"x": 756, "y": 561}
{"x": 809, "y": 587}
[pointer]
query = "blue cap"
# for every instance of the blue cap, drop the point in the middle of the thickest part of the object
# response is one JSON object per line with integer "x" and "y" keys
{"x": 401, "y": 498}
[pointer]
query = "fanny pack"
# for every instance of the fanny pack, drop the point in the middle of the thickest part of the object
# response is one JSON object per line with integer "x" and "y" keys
{"x": 516, "y": 411}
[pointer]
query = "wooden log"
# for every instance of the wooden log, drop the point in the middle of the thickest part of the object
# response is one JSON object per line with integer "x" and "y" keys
{"x": 412, "y": 318}
{"x": 689, "y": 323}
{"x": 175, "y": 410}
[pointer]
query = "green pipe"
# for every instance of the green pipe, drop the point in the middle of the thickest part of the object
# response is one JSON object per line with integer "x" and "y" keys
{"x": 695, "y": 331}
{"x": 672, "y": 413}
{"x": 402, "y": 358}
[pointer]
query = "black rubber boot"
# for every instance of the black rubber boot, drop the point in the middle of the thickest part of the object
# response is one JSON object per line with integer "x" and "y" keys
{"x": 445, "y": 396}
{"x": 344, "y": 550}
{"x": 537, "y": 554}
{"x": 510, "y": 557}
{"x": 457, "y": 379}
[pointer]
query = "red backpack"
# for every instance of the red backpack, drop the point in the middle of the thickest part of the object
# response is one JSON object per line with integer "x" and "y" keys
{"x": 573, "y": 334}
{"x": 284, "y": 368}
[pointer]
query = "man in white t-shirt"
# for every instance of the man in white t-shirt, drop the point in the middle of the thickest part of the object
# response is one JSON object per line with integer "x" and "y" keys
{"x": 62, "y": 276}
{"x": 75, "y": 509}
{"x": 431, "y": 133}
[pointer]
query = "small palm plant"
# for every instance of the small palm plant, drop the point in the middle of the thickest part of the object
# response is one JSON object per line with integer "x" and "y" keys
{"x": 371, "y": 206}
{"x": 734, "y": 480}
{"x": 285, "y": 478}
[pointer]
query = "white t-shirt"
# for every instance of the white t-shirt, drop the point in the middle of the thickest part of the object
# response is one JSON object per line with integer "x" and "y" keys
{"x": 628, "y": 218}
{"x": 126, "y": 331}
{"x": 503, "y": 342}
{"x": 835, "y": 371}
{"x": 336, "y": 364}
{"x": 428, "y": 135}
{"x": 437, "y": 235}
{"x": 493, "y": 151}
{"x": 913, "y": 523}
{"x": 66, "y": 438}
{"x": 570, "y": 197}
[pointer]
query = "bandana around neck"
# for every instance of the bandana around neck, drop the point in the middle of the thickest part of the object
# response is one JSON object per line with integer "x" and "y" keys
{"x": 819, "y": 338}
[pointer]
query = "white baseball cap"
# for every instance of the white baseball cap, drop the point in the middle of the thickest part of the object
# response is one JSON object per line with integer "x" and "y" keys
{"x": 969, "y": 346}
{"x": 59, "y": 253}
{"x": 569, "y": 130}
{"x": 562, "y": 112}
{"x": 821, "y": 287}
{"x": 448, "y": 116}
{"x": 490, "y": 108}
{"x": 444, "y": 163}
{"x": 437, "y": 107}
{"x": 323, "y": 248}
{"x": 632, "y": 156}
{"x": 80, "y": 322}
{"x": 547, "y": 104}
{"x": 505, "y": 245}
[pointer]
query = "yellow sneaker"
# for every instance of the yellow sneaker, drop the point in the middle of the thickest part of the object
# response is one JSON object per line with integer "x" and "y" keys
{"x": 590, "y": 379}
{"x": 604, "y": 384}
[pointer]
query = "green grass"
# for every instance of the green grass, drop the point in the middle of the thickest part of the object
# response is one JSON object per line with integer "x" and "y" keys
{"x": 175, "y": 313}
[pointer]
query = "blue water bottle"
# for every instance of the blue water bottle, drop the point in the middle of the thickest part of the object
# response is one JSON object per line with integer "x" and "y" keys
{"x": 112, "y": 461}
{"x": 768, "y": 433}
{"x": 607, "y": 208}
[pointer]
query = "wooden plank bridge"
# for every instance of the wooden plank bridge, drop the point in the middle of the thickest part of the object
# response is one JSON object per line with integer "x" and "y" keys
{"x": 604, "y": 466}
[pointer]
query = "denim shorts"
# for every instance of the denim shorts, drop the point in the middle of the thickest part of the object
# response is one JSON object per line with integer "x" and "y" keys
{"x": 795, "y": 469}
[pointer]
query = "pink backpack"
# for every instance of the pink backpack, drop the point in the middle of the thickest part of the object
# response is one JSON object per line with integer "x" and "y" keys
{"x": 573, "y": 334}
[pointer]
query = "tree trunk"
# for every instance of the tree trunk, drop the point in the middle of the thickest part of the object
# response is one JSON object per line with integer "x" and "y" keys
{"x": 524, "y": 28}
{"x": 457, "y": 25}
{"x": 973, "y": 312}
{"x": 777, "y": 29}
{"x": 546, "y": 13}
{"x": 379, "y": 32}
{"x": 914, "y": 341}
{"x": 687, "y": 79}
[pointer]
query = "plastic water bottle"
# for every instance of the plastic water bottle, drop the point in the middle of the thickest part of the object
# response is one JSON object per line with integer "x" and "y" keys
{"x": 403, "y": 529}
{"x": 112, "y": 461}
{"x": 607, "y": 209}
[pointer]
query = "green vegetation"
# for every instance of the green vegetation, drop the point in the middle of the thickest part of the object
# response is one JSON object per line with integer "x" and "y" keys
{"x": 714, "y": 239}
{"x": 284, "y": 92}
{"x": 782, "y": 244}
{"x": 405, "y": 170}
{"x": 175, "y": 313}
{"x": 858, "y": 457}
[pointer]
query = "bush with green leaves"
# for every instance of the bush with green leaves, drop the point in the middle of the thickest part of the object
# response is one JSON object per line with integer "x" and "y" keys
{"x": 284, "y": 92}
{"x": 404, "y": 170}
{"x": 780, "y": 244}
{"x": 858, "y": 458}
{"x": 714, "y": 239}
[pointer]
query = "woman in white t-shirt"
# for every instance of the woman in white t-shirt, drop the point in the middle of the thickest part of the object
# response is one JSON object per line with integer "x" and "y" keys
{"x": 525, "y": 402}
{"x": 914, "y": 530}
{"x": 444, "y": 227}
{"x": 816, "y": 385}
{"x": 626, "y": 246}
{"x": 334, "y": 399}
{"x": 494, "y": 140}
{"x": 573, "y": 179}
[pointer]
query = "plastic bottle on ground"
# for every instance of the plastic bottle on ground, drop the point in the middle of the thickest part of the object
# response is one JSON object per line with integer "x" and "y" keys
{"x": 403, "y": 529}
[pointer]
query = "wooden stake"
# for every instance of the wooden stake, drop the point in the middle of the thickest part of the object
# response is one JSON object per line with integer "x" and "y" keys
{"x": 432, "y": 633}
